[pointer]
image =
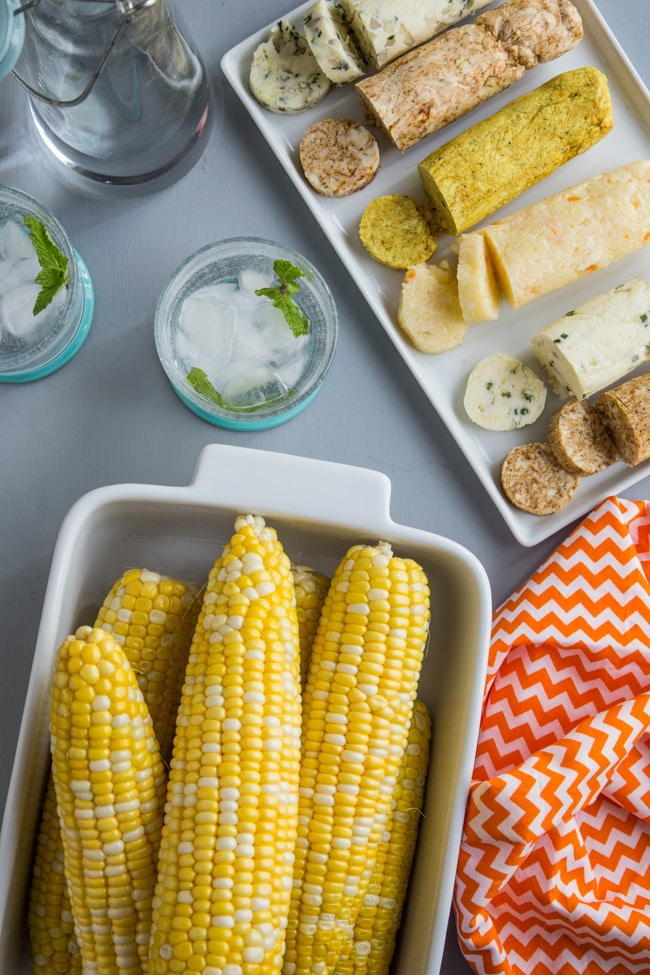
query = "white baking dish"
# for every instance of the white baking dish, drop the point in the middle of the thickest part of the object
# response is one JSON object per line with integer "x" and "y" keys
{"x": 319, "y": 509}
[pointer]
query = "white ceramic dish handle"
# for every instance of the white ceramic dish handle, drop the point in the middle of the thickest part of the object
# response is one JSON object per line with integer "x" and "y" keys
{"x": 297, "y": 486}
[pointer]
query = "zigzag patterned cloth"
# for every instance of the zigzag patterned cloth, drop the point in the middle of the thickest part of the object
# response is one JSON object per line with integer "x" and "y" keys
{"x": 554, "y": 870}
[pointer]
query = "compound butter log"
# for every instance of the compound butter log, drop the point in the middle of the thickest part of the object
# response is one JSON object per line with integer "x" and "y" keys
{"x": 384, "y": 29}
{"x": 447, "y": 77}
{"x": 492, "y": 162}
{"x": 564, "y": 237}
{"x": 626, "y": 412}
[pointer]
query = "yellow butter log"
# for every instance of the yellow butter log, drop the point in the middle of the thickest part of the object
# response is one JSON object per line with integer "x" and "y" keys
{"x": 492, "y": 162}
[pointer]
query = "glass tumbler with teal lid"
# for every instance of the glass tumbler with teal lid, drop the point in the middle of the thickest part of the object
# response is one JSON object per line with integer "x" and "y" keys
{"x": 46, "y": 293}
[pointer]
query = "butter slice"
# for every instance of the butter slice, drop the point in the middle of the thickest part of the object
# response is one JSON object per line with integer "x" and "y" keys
{"x": 503, "y": 393}
{"x": 332, "y": 42}
{"x": 284, "y": 74}
{"x": 478, "y": 291}
{"x": 590, "y": 348}
{"x": 429, "y": 311}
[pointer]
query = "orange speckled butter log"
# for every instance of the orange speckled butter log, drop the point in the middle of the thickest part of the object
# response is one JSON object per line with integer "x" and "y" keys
{"x": 564, "y": 237}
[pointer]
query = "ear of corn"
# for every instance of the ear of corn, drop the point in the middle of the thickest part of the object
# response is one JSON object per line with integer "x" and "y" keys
{"x": 311, "y": 589}
{"x": 227, "y": 851}
{"x": 357, "y": 708}
{"x": 379, "y": 919}
{"x": 152, "y": 617}
{"x": 55, "y": 950}
{"x": 109, "y": 782}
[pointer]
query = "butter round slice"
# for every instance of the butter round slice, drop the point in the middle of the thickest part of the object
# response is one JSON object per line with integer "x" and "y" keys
{"x": 503, "y": 393}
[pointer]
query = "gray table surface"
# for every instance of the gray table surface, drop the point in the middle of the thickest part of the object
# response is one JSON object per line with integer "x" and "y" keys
{"x": 110, "y": 416}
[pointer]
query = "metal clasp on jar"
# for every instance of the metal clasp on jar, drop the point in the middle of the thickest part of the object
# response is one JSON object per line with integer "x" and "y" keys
{"x": 126, "y": 9}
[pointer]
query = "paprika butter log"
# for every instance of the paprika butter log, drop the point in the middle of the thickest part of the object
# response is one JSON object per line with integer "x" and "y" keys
{"x": 564, "y": 237}
{"x": 450, "y": 75}
{"x": 492, "y": 162}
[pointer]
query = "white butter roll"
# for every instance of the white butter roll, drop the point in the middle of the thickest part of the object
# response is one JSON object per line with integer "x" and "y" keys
{"x": 385, "y": 29}
{"x": 567, "y": 236}
{"x": 597, "y": 344}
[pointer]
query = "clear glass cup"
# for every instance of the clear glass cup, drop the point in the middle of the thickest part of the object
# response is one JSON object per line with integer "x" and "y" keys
{"x": 33, "y": 348}
{"x": 252, "y": 363}
{"x": 117, "y": 91}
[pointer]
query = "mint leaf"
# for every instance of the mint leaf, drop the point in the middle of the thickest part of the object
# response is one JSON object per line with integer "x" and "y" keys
{"x": 282, "y": 296}
{"x": 54, "y": 265}
{"x": 199, "y": 381}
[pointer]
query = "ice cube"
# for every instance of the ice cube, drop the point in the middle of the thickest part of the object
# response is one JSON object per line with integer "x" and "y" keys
{"x": 15, "y": 242}
{"x": 251, "y": 386}
{"x": 207, "y": 325}
{"x": 18, "y": 262}
{"x": 265, "y": 337}
{"x": 250, "y": 280}
{"x": 17, "y": 309}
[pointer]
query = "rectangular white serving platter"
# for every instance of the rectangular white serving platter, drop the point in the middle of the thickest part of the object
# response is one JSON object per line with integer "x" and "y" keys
{"x": 443, "y": 377}
{"x": 319, "y": 509}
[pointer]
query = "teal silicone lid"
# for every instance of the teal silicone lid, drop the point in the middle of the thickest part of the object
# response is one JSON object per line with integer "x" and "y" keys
{"x": 12, "y": 36}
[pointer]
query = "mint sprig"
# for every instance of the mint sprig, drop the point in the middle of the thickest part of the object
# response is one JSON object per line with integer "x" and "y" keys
{"x": 54, "y": 265}
{"x": 282, "y": 295}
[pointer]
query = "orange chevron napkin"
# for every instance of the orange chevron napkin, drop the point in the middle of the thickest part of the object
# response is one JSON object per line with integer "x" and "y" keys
{"x": 554, "y": 870}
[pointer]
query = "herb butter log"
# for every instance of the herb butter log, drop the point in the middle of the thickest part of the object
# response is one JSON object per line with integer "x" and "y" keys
{"x": 385, "y": 29}
{"x": 598, "y": 343}
{"x": 571, "y": 234}
{"x": 449, "y": 76}
{"x": 492, "y": 162}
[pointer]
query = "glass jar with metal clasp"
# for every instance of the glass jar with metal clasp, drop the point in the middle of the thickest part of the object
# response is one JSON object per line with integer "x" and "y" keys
{"x": 117, "y": 91}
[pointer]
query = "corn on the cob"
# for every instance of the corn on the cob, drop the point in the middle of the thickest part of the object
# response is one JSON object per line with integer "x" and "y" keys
{"x": 379, "y": 918}
{"x": 357, "y": 709}
{"x": 227, "y": 851}
{"x": 55, "y": 949}
{"x": 109, "y": 781}
{"x": 311, "y": 589}
{"x": 153, "y": 618}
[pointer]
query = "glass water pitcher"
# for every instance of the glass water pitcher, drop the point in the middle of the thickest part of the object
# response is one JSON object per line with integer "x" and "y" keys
{"x": 117, "y": 90}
